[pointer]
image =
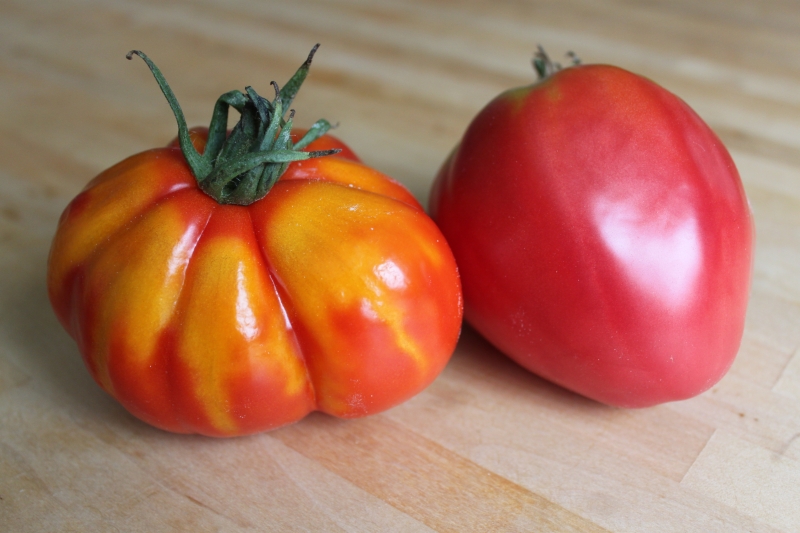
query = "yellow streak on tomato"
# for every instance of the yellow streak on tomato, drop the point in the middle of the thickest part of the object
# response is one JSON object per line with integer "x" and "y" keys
{"x": 136, "y": 281}
{"x": 351, "y": 174}
{"x": 109, "y": 202}
{"x": 233, "y": 325}
{"x": 335, "y": 250}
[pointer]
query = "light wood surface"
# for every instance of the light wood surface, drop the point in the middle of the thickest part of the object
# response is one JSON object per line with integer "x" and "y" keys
{"x": 488, "y": 447}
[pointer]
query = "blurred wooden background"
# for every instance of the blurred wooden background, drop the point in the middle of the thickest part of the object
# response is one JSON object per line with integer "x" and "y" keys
{"x": 488, "y": 447}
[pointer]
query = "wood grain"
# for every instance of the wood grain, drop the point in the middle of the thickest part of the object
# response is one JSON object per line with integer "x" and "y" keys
{"x": 488, "y": 447}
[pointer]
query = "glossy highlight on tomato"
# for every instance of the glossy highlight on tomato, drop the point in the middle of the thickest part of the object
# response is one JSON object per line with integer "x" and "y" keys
{"x": 333, "y": 292}
{"x": 603, "y": 236}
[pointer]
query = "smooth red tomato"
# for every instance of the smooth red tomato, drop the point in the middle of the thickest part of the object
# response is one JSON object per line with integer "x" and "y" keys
{"x": 602, "y": 234}
{"x": 333, "y": 292}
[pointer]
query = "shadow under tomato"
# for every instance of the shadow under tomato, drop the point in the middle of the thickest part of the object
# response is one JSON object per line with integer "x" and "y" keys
{"x": 476, "y": 358}
{"x": 37, "y": 346}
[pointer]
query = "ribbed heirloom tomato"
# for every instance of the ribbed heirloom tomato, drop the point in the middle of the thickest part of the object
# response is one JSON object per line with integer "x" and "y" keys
{"x": 235, "y": 283}
{"x": 602, "y": 234}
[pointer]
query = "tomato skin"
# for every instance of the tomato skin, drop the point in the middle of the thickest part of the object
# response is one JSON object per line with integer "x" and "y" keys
{"x": 327, "y": 294}
{"x": 602, "y": 234}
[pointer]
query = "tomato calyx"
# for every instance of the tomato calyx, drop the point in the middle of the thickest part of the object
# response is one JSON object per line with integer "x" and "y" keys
{"x": 545, "y": 67}
{"x": 242, "y": 167}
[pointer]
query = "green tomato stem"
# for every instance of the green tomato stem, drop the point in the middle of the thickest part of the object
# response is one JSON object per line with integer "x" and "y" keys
{"x": 545, "y": 67}
{"x": 242, "y": 167}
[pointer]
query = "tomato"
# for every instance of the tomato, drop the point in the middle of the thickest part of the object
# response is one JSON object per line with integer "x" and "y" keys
{"x": 332, "y": 292}
{"x": 602, "y": 234}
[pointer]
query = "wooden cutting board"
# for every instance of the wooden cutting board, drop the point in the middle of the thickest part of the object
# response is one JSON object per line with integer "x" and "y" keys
{"x": 488, "y": 447}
